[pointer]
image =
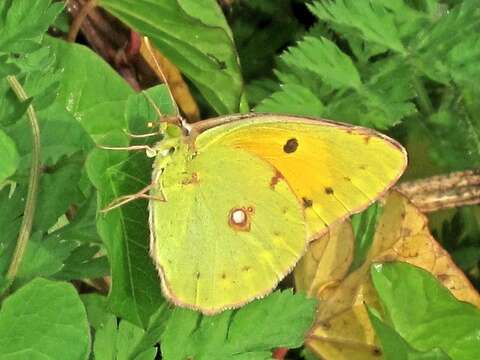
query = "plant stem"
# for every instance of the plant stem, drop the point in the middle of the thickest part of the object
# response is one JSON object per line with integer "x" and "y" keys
{"x": 423, "y": 100}
{"x": 30, "y": 203}
{"x": 78, "y": 20}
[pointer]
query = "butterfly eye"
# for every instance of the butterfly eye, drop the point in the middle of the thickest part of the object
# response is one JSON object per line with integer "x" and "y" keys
{"x": 290, "y": 146}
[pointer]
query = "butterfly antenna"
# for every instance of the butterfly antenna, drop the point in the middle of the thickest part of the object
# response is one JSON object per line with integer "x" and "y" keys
{"x": 149, "y": 48}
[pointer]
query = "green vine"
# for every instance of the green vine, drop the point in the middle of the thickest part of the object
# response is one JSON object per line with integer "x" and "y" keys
{"x": 30, "y": 205}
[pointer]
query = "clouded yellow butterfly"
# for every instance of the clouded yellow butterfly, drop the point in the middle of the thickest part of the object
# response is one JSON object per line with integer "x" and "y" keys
{"x": 243, "y": 196}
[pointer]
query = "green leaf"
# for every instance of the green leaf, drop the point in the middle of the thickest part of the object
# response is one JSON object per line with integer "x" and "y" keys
{"x": 60, "y": 136}
{"x": 96, "y": 98}
{"x": 104, "y": 346}
{"x": 135, "y": 292}
{"x": 44, "y": 320}
{"x": 443, "y": 54}
{"x": 11, "y": 211}
{"x": 195, "y": 36}
{"x": 371, "y": 19}
{"x": 425, "y": 313}
{"x": 364, "y": 227}
{"x": 83, "y": 227}
{"x": 83, "y": 263}
{"x": 9, "y": 158}
{"x": 326, "y": 60}
{"x": 23, "y": 23}
{"x": 316, "y": 72}
{"x": 395, "y": 347}
{"x": 43, "y": 257}
{"x": 279, "y": 320}
{"x": 97, "y": 309}
{"x": 257, "y": 49}
{"x": 58, "y": 191}
{"x": 156, "y": 326}
{"x": 112, "y": 343}
{"x": 292, "y": 99}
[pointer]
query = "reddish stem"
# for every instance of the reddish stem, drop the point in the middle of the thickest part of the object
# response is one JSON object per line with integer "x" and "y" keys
{"x": 280, "y": 353}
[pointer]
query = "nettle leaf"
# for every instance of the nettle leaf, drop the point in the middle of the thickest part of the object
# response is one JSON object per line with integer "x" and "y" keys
{"x": 382, "y": 102}
{"x": 292, "y": 99}
{"x": 442, "y": 53}
{"x": 322, "y": 57}
{"x": 425, "y": 313}
{"x": 279, "y": 320}
{"x": 10, "y": 158}
{"x": 208, "y": 58}
{"x": 44, "y": 320}
{"x": 319, "y": 71}
{"x": 97, "y": 98}
{"x": 370, "y": 18}
{"x": 23, "y": 23}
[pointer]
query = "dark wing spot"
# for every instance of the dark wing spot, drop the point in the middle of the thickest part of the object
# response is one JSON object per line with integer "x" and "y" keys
{"x": 290, "y": 146}
{"x": 275, "y": 179}
{"x": 346, "y": 178}
{"x": 197, "y": 275}
{"x": 328, "y": 190}
{"x": 224, "y": 276}
{"x": 246, "y": 268}
{"x": 363, "y": 167}
{"x": 307, "y": 202}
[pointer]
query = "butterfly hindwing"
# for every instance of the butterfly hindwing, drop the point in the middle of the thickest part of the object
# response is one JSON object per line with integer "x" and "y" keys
{"x": 208, "y": 257}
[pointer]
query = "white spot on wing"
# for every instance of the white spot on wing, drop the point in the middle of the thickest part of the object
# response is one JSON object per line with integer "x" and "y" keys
{"x": 239, "y": 217}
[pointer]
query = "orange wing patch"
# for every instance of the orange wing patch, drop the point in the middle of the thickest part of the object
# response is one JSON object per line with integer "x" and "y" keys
{"x": 332, "y": 169}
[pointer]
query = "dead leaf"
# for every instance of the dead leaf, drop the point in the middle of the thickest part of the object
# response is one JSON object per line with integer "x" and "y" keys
{"x": 342, "y": 329}
{"x": 168, "y": 73}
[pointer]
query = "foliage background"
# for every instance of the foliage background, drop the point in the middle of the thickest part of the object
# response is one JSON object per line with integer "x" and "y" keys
{"x": 406, "y": 67}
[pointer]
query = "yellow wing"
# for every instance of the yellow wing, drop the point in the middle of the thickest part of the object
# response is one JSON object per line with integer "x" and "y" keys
{"x": 334, "y": 169}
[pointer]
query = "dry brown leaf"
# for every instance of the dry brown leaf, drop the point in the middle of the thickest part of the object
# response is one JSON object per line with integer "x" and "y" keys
{"x": 342, "y": 329}
{"x": 327, "y": 261}
{"x": 168, "y": 73}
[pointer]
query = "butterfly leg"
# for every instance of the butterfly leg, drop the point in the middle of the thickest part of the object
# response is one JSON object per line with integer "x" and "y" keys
{"x": 142, "y": 194}
{"x": 139, "y": 136}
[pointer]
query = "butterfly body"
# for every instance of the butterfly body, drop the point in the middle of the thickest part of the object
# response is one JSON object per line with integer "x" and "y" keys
{"x": 244, "y": 195}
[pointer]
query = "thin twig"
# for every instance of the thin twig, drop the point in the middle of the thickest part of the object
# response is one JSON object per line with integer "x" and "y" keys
{"x": 30, "y": 204}
{"x": 78, "y": 20}
{"x": 444, "y": 191}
